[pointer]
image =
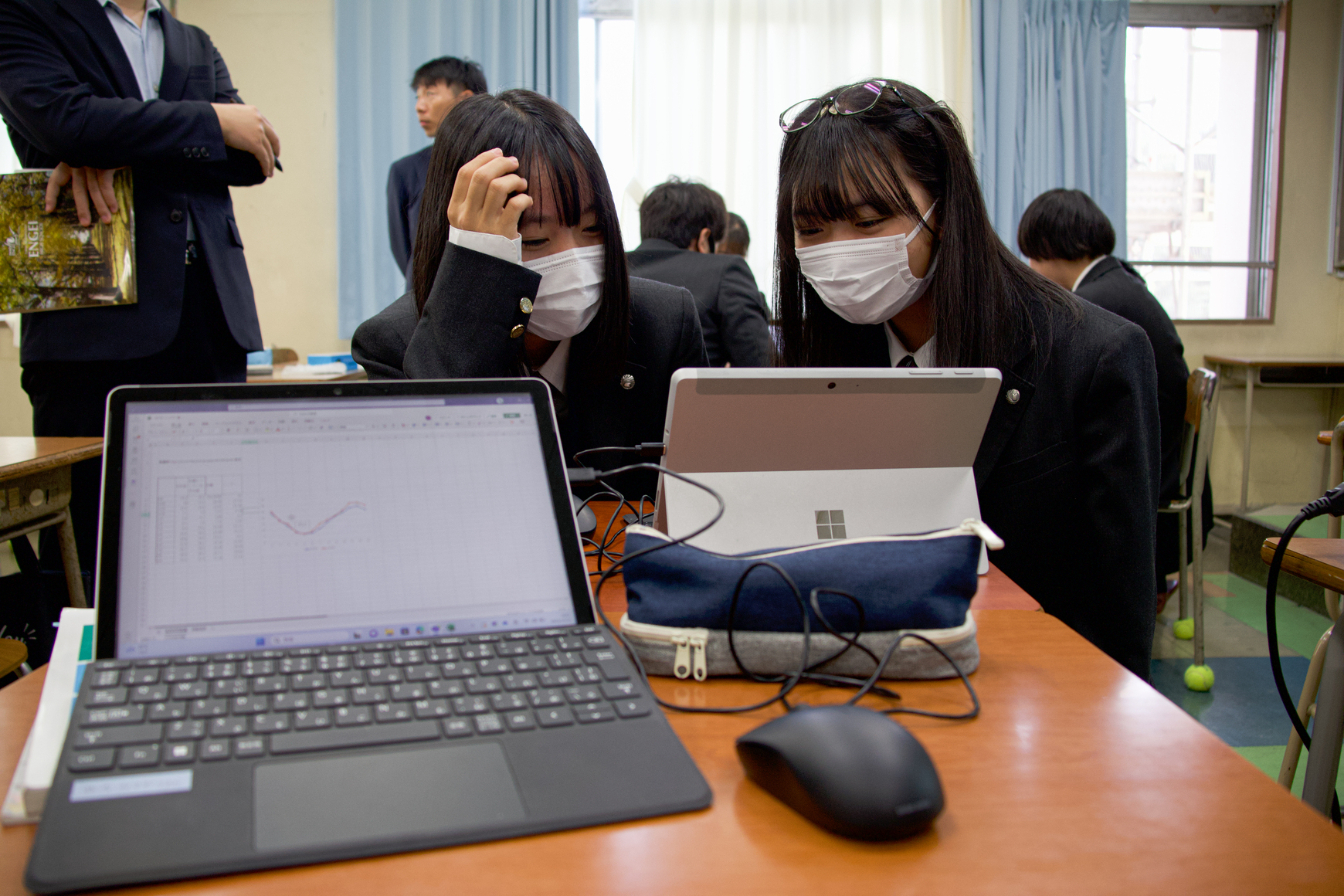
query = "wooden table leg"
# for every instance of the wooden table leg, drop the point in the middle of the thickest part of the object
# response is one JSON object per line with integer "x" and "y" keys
{"x": 74, "y": 576}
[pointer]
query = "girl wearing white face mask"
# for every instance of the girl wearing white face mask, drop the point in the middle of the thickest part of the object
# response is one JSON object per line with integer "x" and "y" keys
{"x": 518, "y": 270}
{"x": 887, "y": 257}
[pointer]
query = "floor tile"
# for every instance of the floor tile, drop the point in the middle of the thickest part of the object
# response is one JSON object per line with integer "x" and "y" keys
{"x": 1310, "y": 529}
{"x": 1243, "y": 709}
{"x": 1224, "y": 635}
{"x": 1268, "y": 760}
{"x": 1299, "y": 628}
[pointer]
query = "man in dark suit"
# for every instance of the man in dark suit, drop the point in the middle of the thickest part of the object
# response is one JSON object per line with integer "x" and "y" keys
{"x": 89, "y": 86}
{"x": 737, "y": 241}
{"x": 439, "y": 85}
{"x": 1068, "y": 239}
{"x": 679, "y": 225}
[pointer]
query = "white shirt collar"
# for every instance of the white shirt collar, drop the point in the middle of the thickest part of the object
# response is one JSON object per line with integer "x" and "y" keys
{"x": 150, "y": 6}
{"x": 1087, "y": 270}
{"x": 924, "y": 355}
{"x": 553, "y": 371}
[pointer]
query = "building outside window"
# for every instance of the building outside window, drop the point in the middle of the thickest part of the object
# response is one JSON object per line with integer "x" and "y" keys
{"x": 1203, "y": 87}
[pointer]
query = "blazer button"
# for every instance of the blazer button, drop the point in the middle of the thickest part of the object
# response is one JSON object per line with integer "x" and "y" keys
{"x": 517, "y": 331}
{"x": 525, "y": 305}
{"x": 1013, "y": 396}
{"x": 627, "y": 382}
{"x": 186, "y": 151}
{"x": 176, "y": 216}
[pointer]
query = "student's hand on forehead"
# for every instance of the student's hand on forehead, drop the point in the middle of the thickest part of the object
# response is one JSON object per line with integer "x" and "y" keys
{"x": 481, "y": 195}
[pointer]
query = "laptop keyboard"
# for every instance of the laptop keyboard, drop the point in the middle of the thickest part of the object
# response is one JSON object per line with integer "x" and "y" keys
{"x": 172, "y": 712}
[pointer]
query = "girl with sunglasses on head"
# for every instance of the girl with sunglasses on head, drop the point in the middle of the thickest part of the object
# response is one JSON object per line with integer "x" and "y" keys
{"x": 886, "y": 256}
{"x": 518, "y": 270}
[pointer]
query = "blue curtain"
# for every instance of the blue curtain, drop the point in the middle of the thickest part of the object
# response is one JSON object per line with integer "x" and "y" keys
{"x": 379, "y": 44}
{"x": 1050, "y": 104}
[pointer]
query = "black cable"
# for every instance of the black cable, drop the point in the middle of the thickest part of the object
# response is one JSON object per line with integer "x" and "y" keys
{"x": 1332, "y": 502}
{"x": 804, "y": 672}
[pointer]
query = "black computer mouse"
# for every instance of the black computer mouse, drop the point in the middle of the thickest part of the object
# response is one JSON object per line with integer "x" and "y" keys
{"x": 848, "y": 769}
{"x": 586, "y": 518}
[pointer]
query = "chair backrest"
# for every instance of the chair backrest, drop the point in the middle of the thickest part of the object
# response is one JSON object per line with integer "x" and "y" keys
{"x": 1201, "y": 404}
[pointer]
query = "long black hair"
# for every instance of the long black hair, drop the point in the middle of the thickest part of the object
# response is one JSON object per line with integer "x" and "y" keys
{"x": 544, "y": 138}
{"x": 981, "y": 293}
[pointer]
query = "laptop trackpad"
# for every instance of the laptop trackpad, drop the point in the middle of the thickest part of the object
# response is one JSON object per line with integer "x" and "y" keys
{"x": 379, "y": 796}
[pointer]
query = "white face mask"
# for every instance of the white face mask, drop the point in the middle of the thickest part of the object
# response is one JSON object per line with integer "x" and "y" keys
{"x": 570, "y": 292}
{"x": 865, "y": 281}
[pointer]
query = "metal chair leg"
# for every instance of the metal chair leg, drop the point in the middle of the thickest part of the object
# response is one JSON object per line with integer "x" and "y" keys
{"x": 1293, "y": 752}
{"x": 1197, "y": 574}
{"x": 1182, "y": 530}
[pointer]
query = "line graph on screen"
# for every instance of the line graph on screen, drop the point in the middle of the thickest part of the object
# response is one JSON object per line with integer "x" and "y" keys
{"x": 299, "y": 529}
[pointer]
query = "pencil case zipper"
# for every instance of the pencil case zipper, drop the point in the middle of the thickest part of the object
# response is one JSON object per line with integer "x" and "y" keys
{"x": 690, "y": 644}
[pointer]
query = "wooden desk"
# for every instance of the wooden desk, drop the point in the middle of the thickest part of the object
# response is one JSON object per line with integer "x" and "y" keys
{"x": 35, "y": 494}
{"x": 1318, "y": 560}
{"x": 1248, "y": 371}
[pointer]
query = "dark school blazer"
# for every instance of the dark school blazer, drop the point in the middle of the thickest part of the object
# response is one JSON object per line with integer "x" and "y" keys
{"x": 466, "y": 328}
{"x": 405, "y": 185}
{"x": 732, "y": 315}
{"x": 1067, "y": 472}
{"x": 68, "y": 94}
{"x": 1118, "y": 288}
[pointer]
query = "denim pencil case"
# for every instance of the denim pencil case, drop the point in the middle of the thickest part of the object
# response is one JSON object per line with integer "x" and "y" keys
{"x": 678, "y": 601}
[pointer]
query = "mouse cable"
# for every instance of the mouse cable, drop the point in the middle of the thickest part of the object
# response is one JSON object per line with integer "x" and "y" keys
{"x": 805, "y": 670}
{"x": 1332, "y": 502}
{"x": 643, "y": 449}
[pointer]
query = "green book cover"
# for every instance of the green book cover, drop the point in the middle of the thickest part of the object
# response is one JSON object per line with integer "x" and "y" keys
{"x": 50, "y": 262}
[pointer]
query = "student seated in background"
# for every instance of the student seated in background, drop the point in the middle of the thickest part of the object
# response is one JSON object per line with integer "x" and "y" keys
{"x": 519, "y": 270}
{"x": 1068, "y": 239}
{"x": 679, "y": 225}
{"x": 736, "y": 241}
{"x": 439, "y": 85}
{"x": 887, "y": 257}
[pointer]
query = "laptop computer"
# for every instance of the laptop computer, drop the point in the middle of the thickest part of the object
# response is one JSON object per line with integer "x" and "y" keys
{"x": 802, "y": 455}
{"x": 339, "y": 620}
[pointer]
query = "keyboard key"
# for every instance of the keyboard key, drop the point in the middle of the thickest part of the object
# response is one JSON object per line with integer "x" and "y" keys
{"x": 520, "y": 721}
{"x": 293, "y": 664}
{"x": 569, "y": 642}
{"x": 421, "y": 673}
{"x": 215, "y": 749}
{"x": 111, "y": 664}
{"x": 614, "y": 670}
{"x": 346, "y": 679}
{"x": 554, "y": 717}
{"x": 529, "y": 664}
{"x": 92, "y": 760}
{"x": 166, "y": 712}
{"x": 118, "y": 735}
{"x": 270, "y": 684}
{"x": 177, "y": 754}
{"x": 180, "y": 673}
{"x": 228, "y": 687}
{"x": 354, "y": 715}
{"x": 212, "y": 671}
{"x": 191, "y": 690}
{"x": 595, "y": 642}
{"x": 248, "y": 705}
{"x": 594, "y": 712}
{"x": 107, "y": 697}
{"x": 308, "y": 681}
{"x": 371, "y": 660}
{"x": 366, "y": 695}
{"x": 489, "y": 724}
{"x": 409, "y": 691}
{"x": 431, "y": 709}
{"x": 543, "y": 646}
{"x": 483, "y": 686}
{"x": 437, "y": 655}
{"x": 270, "y": 722}
{"x": 582, "y": 694}
{"x": 484, "y": 639}
{"x": 108, "y": 679}
{"x": 139, "y": 757}
{"x": 292, "y": 701}
{"x": 247, "y": 747}
{"x": 504, "y": 702}
{"x": 308, "y": 719}
{"x": 326, "y": 698}
{"x": 208, "y": 708}
{"x": 141, "y": 676}
{"x": 478, "y": 652}
{"x": 457, "y": 728}
{"x": 615, "y": 690}
{"x": 513, "y": 649}
{"x": 337, "y": 663}
{"x": 466, "y": 706}
{"x": 187, "y": 729}
{"x": 458, "y": 670}
{"x": 257, "y": 668}
{"x": 555, "y": 679}
{"x": 631, "y": 709}
{"x": 494, "y": 667}
{"x": 384, "y": 676}
{"x": 519, "y": 682}
{"x": 228, "y": 727}
{"x": 546, "y": 697}
{"x": 229, "y": 657}
{"x": 587, "y": 675}
{"x": 407, "y": 657}
{"x": 392, "y": 712}
{"x": 336, "y": 738}
{"x": 446, "y": 689}
{"x": 566, "y": 659}
{"x": 114, "y": 715}
{"x": 149, "y": 693}
{"x": 192, "y": 660}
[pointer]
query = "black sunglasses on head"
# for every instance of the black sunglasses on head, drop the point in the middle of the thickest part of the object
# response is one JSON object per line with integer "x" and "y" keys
{"x": 849, "y": 100}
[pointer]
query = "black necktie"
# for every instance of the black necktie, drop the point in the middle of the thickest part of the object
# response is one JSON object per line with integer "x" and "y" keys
{"x": 907, "y": 361}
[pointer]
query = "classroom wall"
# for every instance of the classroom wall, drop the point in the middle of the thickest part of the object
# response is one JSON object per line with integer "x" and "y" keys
{"x": 1286, "y": 462}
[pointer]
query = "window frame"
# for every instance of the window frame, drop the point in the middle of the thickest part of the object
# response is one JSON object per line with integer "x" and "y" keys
{"x": 1271, "y": 21}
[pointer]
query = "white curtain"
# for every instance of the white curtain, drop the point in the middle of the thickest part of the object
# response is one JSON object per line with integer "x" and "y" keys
{"x": 712, "y": 76}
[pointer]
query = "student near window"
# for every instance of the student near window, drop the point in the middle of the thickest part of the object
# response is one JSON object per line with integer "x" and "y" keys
{"x": 887, "y": 257}
{"x": 519, "y": 270}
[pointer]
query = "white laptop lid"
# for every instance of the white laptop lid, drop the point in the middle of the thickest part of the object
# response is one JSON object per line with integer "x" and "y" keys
{"x": 806, "y": 454}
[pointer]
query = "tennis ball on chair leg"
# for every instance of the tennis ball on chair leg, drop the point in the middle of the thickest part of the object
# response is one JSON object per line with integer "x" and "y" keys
{"x": 1184, "y": 629}
{"x": 1199, "y": 678}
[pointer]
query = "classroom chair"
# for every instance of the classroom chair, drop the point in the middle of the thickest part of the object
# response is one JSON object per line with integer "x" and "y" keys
{"x": 1201, "y": 408}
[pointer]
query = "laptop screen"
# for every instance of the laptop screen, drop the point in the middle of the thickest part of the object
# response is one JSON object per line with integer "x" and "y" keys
{"x": 289, "y": 522}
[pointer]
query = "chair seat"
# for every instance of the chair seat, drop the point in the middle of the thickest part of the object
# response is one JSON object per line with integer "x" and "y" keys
{"x": 12, "y": 655}
{"x": 1175, "y": 505}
